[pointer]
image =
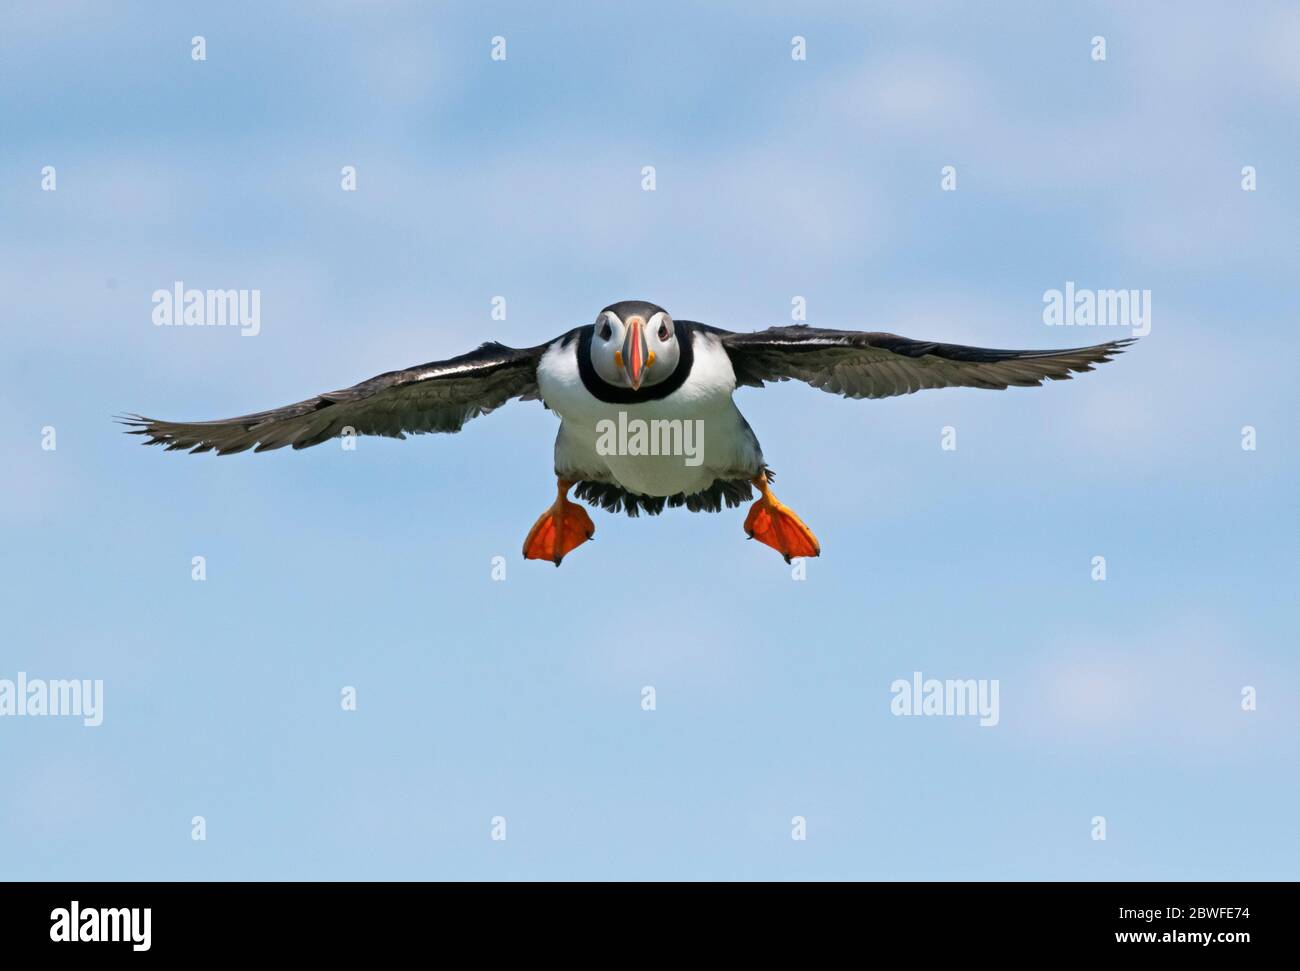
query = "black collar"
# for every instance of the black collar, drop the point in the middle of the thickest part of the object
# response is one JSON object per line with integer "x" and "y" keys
{"x": 613, "y": 394}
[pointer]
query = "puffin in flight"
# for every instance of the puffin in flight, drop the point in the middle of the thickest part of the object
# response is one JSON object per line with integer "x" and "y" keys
{"x": 636, "y": 368}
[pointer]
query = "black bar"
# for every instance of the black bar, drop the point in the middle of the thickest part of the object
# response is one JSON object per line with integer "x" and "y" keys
{"x": 331, "y": 920}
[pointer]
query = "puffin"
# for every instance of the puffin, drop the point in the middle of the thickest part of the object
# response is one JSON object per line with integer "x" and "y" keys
{"x": 648, "y": 419}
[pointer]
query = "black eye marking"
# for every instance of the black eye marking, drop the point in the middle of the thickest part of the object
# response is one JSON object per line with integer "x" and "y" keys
{"x": 606, "y": 331}
{"x": 663, "y": 332}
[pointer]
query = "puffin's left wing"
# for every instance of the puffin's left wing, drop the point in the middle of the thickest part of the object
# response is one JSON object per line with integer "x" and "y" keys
{"x": 857, "y": 364}
{"x": 436, "y": 397}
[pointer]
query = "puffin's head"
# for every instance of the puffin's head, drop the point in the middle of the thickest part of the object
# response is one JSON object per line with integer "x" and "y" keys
{"x": 634, "y": 343}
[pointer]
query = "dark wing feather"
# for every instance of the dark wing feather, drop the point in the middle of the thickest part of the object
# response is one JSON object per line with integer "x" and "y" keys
{"x": 436, "y": 397}
{"x": 874, "y": 365}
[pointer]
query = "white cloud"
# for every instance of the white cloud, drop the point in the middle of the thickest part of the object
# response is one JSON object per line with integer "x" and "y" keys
{"x": 1175, "y": 688}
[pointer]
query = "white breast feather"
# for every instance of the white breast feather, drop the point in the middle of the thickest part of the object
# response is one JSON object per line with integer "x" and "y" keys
{"x": 729, "y": 449}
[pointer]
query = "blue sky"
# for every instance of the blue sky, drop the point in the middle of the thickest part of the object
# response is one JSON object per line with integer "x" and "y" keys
{"x": 521, "y": 698}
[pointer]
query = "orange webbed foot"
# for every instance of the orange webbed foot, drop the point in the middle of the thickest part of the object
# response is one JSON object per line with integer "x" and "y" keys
{"x": 775, "y": 524}
{"x": 560, "y": 530}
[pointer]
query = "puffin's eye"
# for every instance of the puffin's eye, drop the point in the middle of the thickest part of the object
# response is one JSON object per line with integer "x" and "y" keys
{"x": 664, "y": 333}
{"x": 606, "y": 330}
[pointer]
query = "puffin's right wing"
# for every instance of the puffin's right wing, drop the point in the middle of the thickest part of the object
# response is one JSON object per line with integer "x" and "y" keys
{"x": 858, "y": 364}
{"x": 436, "y": 397}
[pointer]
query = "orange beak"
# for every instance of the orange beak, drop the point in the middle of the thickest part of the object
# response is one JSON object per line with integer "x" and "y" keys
{"x": 635, "y": 353}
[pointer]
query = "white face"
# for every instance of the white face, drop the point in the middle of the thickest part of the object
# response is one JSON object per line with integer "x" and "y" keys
{"x": 636, "y": 352}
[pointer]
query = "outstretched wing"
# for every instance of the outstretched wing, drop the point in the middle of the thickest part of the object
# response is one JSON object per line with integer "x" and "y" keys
{"x": 871, "y": 365}
{"x": 436, "y": 397}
